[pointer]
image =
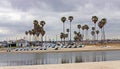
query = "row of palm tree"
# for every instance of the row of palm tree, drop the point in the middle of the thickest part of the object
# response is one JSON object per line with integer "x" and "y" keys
{"x": 101, "y": 25}
{"x": 63, "y": 19}
{"x": 78, "y": 35}
{"x": 37, "y": 30}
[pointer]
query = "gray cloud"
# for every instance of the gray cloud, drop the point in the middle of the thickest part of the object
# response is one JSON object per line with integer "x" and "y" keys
{"x": 17, "y": 15}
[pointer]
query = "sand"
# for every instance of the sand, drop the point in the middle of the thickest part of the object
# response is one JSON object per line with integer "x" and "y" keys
{"x": 87, "y": 65}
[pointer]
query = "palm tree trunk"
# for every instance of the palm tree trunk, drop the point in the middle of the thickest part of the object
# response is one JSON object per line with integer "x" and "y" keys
{"x": 95, "y": 35}
{"x": 42, "y": 40}
{"x": 68, "y": 37}
{"x": 79, "y": 30}
{"x": 82, "y": 37}
{"x": 70, "y": 32}
{"x": 86, "y": 36}
{"x": 29, "y": 37}
{"x": 101, "y": 36}
{"x": 95, "y": 31}
{"x": 104, "y": 37}
{"x": 64, "y": 31}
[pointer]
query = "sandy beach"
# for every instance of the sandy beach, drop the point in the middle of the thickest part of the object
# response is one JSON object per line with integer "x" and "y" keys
{"x": 89, "y": 65}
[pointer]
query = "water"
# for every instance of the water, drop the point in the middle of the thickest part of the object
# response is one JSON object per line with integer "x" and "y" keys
{"x": 18, "y": 59}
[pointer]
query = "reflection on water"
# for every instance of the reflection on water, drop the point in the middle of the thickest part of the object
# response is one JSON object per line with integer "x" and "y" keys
{"x": 16, "y": 59}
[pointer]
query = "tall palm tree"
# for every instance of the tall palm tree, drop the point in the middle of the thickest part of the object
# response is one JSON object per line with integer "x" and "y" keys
{"x": 61, "y": 36}
{"x": 94, "y": 19}
{"x": 93, "y": 29}
{"x": 97, "y": 32}
{"x": 83, "y": 28}
{"x": 66, "y": 35}
{"x": 35, "y": 22}
{"x": 33, "y": 33}
{"x": 70, "y": 18}
{"x": 63, "y": 19}
{"x": 42, "y": 33}
{"x": 101, "y": 26}
{"x": 87, "y": 28}
{"x": 30, "y": 33}
{"x": 79, "y": 26}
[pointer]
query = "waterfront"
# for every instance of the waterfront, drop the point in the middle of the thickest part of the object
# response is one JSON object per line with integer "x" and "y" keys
{"x": 18, "y": 59}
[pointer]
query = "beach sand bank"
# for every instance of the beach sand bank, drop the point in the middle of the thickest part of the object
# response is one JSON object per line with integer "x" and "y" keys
{"x": 88, "y": 65}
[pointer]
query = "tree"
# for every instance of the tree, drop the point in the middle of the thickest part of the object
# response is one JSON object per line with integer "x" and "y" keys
{"x": 63, "y": 19}
{"x": 101, "y": 25}
{"x": 97, "y": 32}
{"x": 93, "y": 33}
{"x": 94, "y": 20}
{"x": 42, "y": 23}
{"x": 93, "y": 28}
{"x": 61, "y": 36}
{"x": 67, "y": 30}
{"x": 79, "y": 26}
{"x": 30, "y": 33}
{"x": 26, "y": 33}
{"x": 70, "y": 18}
{"x": 87, "y": 28}
{"x": 83, "y": 28}
{"x": 42, "y": 33}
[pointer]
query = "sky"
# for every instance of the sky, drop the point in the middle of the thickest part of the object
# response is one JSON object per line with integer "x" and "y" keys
{"x": 16, "y": 16}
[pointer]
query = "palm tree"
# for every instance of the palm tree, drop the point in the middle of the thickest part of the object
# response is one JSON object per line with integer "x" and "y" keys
{"x": 41, "y": 30}
{"x": 63, "y": 19}
{"x": 35, "y": 22}
{"x": 30, "y": 33}
{"x": 83, "y": 28}
{"x": 93, "y": 33}
{"x": 97, "y": 32}
{"x": 79, "y": 26}
{"x": 75, "y": 32}
{"x": 86, "y": 34}
{"x": 33, "y": 33}
{"x": 42, "y": 33}
{"x": 101, "y": 26}
{"x": 66, "y": 35}
{"x": 93, "y": 28}
{"x": 67, "y": 30}
{"x": 87, "y": 28}
{"x": 42, "y": 23}
{"x": 70, "y": 18}
{"x": 94, "y": 19}
{"x": 77, "y": 36}
{"x": 26, "y": 33}
{"x": 61, "y": 36}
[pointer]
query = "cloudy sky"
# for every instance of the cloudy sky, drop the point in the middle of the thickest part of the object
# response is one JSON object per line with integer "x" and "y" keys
{"x": 16, "y": 16}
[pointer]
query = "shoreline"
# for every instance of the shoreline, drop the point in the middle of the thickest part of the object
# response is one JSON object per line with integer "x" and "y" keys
{"x": 84, "y": 49}
{"x": 87, "y": 48}
{"x": 87, "y": 65}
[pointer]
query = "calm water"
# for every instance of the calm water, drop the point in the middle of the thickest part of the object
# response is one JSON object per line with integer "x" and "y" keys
{"x": 17, "y": 59}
